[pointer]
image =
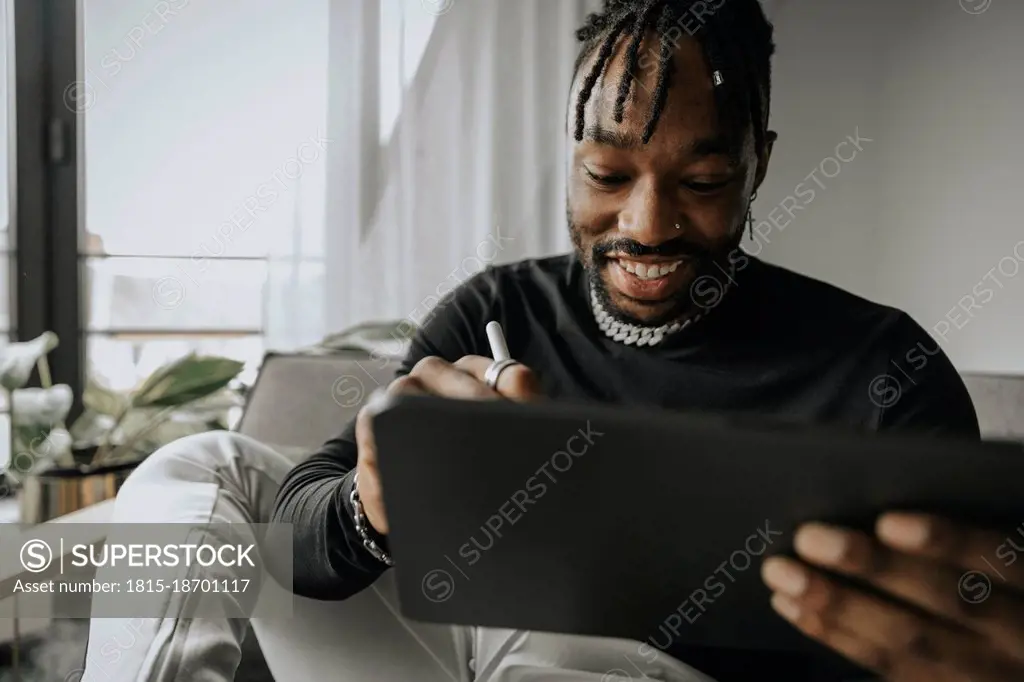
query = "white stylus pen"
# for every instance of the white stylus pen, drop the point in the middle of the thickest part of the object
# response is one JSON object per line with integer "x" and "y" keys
{"x": 496, "y": 338}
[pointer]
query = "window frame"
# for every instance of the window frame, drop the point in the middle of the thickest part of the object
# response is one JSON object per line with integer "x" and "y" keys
{"x": 9, "y": 158}
{"x": 46, "y": 207}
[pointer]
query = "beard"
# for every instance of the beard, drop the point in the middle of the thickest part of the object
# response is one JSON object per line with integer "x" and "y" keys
{"x": 704, "y": 289}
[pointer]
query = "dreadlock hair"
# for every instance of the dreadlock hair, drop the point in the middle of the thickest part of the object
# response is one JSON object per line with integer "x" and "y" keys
{"x": 736, "y": 39}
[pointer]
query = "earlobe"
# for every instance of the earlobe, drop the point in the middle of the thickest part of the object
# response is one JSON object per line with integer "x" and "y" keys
{"x": 769, "y": 143}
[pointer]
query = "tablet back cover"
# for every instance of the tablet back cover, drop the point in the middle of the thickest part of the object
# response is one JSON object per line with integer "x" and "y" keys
{"x": 617, "y": 522}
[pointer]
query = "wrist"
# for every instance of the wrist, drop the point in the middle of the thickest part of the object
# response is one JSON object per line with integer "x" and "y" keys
{"x": 372, "y": 540}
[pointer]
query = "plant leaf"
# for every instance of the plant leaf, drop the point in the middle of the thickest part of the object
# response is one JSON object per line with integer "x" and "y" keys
{"x": 48, "y": 406}
{"x": 103, "y": 400}
{"x": 26, "y": 440}
{"x": 90, "y": 427}
{"x": 36, "y": 415}
{"x": 133, "y": 422}
{"x": 185, "y": 380}
{"x": 17, "y": 360}
{"x": 55, "y": 449}
{"x": 38, "y": 447}
{"x": 214, "y": 406}
{"x": 168, "y": 432}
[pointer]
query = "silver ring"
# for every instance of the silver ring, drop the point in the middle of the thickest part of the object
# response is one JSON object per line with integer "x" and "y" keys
{"x": 495, "y": 369}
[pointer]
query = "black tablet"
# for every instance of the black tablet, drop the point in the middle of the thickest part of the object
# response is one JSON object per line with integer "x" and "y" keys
{"x": 615, "y": 521}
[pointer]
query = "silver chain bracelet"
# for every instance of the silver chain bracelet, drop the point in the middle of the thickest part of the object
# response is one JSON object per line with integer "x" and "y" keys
{"x": 362, "y": 526}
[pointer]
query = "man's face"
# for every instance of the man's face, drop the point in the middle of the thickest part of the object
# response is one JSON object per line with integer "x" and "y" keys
{"x": 626, "y": 199}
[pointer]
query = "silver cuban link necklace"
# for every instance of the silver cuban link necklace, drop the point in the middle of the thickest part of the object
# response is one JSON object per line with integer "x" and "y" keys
{"x": 630, "y": 334}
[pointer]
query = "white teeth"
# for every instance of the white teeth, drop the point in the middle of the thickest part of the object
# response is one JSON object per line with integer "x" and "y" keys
{"x": 644, "y": 271}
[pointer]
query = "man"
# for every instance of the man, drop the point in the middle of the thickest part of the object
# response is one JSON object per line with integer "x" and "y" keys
{"x": 659, "y": 306}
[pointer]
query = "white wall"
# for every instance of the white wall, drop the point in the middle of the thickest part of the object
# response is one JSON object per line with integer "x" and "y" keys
{"x": 824, "y": 91}
{"x": 924, "y": 213}
{"x": 952, "y": 244}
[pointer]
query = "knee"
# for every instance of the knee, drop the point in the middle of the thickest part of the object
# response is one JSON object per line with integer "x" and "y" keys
{"x": 193, "y": 459}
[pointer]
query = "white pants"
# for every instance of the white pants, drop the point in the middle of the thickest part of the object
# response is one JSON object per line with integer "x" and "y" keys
{"x": 223, "y": 477}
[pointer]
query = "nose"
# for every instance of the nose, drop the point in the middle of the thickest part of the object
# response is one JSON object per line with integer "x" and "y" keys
{"x": 649, "y": 216}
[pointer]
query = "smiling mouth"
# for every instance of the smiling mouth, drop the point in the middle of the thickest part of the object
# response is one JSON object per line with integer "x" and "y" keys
{"x": 648, "y": 281}
{"x": 648, "y": 271}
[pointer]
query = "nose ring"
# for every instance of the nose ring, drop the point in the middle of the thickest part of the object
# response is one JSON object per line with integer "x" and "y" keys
{"x": 678, "y": 227}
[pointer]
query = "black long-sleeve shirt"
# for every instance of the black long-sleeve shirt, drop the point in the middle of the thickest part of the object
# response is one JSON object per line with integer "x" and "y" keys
{"x": 778, "y": 343}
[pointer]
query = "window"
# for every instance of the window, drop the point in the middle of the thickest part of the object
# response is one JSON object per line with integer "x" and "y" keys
{"x": 204, "y": 181}
{"x": 187, "y": 212}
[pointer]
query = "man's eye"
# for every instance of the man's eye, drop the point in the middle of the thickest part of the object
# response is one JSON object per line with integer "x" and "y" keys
{"x": 608, "y": 180}
{"x": 705, "y": 187}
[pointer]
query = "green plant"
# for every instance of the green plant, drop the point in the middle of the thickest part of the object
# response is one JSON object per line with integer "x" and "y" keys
{"x": 187, "y": 396}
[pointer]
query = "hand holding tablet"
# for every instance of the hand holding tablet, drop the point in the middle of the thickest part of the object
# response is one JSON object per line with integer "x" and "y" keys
{"x": 923, "y": 622}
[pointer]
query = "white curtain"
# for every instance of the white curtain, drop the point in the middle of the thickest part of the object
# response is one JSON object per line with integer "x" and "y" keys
{"x": 472, "y": 172}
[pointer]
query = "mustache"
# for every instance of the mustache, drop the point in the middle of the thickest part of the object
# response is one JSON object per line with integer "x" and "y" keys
{"x": 674, "y": 248}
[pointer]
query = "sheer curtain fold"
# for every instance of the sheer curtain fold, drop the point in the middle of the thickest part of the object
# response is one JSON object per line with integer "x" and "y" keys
{"x": 473, "y": 172}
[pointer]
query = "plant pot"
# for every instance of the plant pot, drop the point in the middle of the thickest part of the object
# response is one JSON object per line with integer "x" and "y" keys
{"x": 62, "y": 490}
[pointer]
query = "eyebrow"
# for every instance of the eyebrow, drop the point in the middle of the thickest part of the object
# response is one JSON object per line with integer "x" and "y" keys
{"x": 719, "y": 145}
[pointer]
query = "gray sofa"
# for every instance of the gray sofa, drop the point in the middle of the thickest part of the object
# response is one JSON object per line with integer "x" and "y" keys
{"x": 1000, "y": 404}
{"x": 300, "y": 401}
